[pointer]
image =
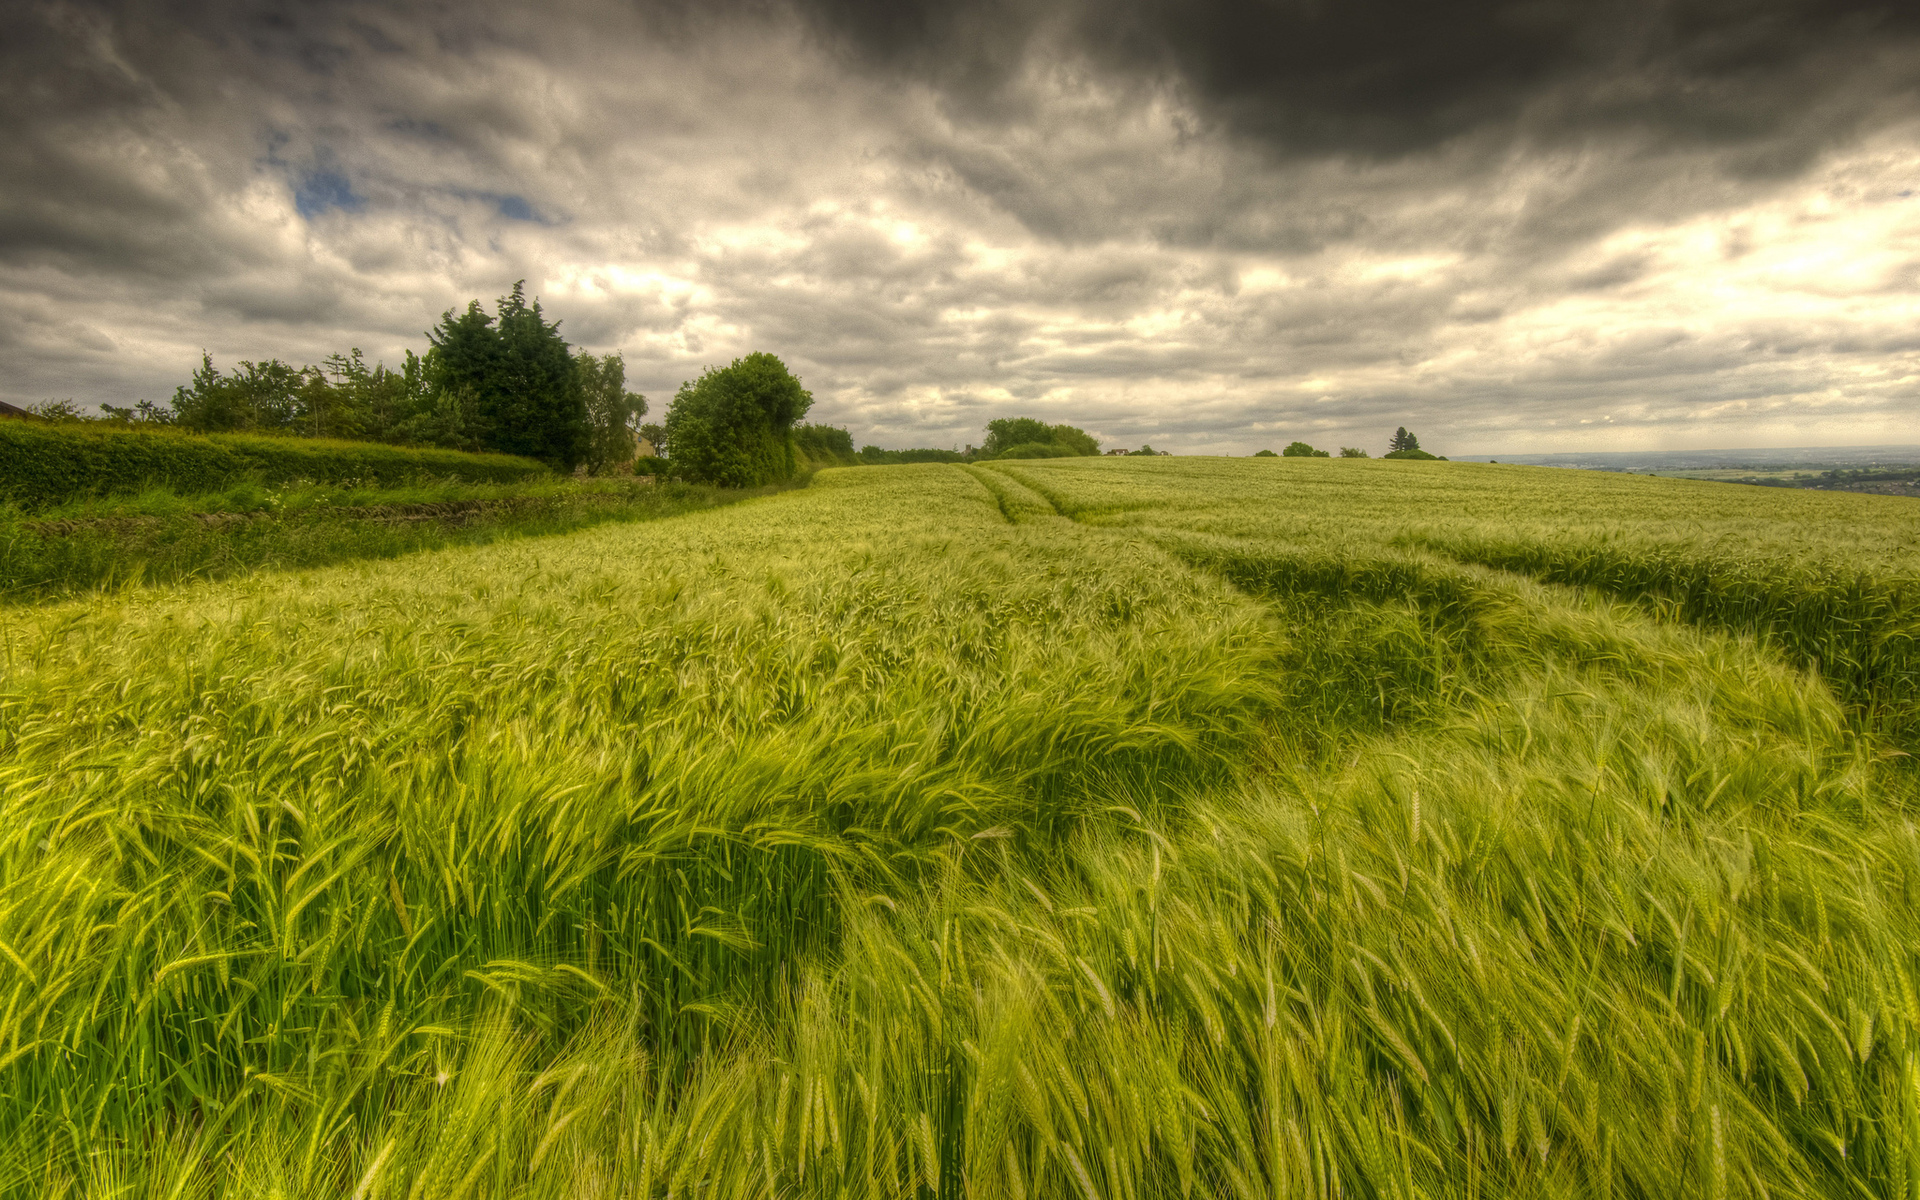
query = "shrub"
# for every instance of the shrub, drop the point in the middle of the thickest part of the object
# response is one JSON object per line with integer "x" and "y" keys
{"x": 49, "y": 464}
{"x": 1013, "y": 433}
{"x": 824, "y": 445}
{"x": 1265, "y": 454}
{"x": 1353, "y": 452}
{"x": 875, "y": 456}
{"x": 733, "y": 426}
{"x": 1420, "y": 454}
{"x": 1038, "y": 450}
{"x": 1302, "y": 450}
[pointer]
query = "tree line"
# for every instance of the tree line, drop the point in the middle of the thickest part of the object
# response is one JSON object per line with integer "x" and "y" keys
{"x": 509, "y": 383}
{"x": 505, "y": 381}
{"x": 1401, "y": 445}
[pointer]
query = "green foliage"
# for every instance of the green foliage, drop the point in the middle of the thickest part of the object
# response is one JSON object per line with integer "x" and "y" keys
{"x": 733, "y": 426}
{"x": 1411, "y": 454}
{"x": 874, "y": 456}
{"x": 655, "y": 435}
{"x": 1302, "y": 450}
{"x": 1402, "y": 440}
{"x": 57, "y": 411}
{"x": 613, "y": 412}
{"x": 1145, "y": 452}
{"x": 1007, "y": 434}
{"x": 1038, "y": 450}
{"x": 1352, "y": 452}
{"x": 1077, "y": 441}
{"x": 1264, "y": 454}
{"x": 511, "y": 384}
{"x": 344, "y": 398}
{"x": 1049, "y": 828}
{"x": 43, "y": 465}
{"x": 162, "y": 537}
{"x": 825, "y": 445}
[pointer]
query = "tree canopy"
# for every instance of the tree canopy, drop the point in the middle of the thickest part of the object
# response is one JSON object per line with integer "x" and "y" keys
{"x": 825, "y": 445}
{"x": 514, "y": 379}
{"x": 508, "y": 382}
{"x": 1025, "y": 437}
{"x": 1402, "y": 440}
{"x": 613, "y": 412}
{"x": 733, "y": 426}
{"x": 1302, "y": 450}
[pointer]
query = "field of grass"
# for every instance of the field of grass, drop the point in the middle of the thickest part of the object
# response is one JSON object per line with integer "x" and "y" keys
{"x": 1064, "y": 828}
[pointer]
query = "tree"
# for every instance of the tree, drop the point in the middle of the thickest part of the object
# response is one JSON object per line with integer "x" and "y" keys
{"x": 613, "y": 412}
{"x": 733, "y": 426}
{"x": 514, "y": 381}
{"x": 212, "y": 402}
{"x": 1077, "y": 440}
{"x": 1402, "y": 440}
{"x": 60, "y": 412}
{"x": 1007, "y": 432}
{"x": 825, "y": 445}
{"x": 1264, "y": 454}
{"x": 655, "y": 435}
{"x": 144, "y": 412}
{"x": 1352, "y": 452}
{"x": 1026, "y": 433}
{"x": 1302, "y": 450}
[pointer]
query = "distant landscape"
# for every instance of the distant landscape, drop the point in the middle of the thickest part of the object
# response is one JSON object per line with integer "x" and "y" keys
{"x": 1887, "y": 470}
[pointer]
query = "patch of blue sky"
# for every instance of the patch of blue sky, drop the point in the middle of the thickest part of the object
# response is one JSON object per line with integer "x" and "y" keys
{"x": 318, "y": 191}
{"x": 515, "y": 208}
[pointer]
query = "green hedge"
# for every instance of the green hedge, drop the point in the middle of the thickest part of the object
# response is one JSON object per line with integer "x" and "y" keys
{"x": 42, "y": 465}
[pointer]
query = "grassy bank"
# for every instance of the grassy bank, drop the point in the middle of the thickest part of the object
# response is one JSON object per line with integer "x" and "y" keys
{"x": 1065, "y": 828}
{"x": 159, "y": 536}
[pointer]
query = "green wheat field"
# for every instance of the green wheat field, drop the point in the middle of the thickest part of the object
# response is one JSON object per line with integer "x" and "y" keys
{"x": 1072, "y": 828}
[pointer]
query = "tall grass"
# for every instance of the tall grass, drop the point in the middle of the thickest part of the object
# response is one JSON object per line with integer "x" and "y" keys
{"x": 161, "y": 537}
{"x": 902, "y": 836}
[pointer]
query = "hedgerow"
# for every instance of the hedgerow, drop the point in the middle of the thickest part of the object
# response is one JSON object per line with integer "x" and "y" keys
{"x": 49, "y": 464}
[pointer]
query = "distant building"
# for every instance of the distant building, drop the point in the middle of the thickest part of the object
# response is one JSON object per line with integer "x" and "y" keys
{"x": 644, "y": 449}
{"x": 1121, "y": 450}
{"x": 9, "y": 410}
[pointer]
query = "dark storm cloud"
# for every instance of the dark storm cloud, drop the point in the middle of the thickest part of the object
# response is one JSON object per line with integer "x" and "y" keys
{"x": 1387, "y": 77}
{"x": 1209, "y": 223}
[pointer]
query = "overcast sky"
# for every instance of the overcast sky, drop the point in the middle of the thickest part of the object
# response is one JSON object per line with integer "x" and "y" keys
{"x": 1529, "y": 225}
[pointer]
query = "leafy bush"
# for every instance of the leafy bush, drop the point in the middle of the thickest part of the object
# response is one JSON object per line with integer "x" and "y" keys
{"x": 517, "y": 381}
{"x": 1038, "y": 450}
{"x": 1011, "y": 433}
{"x": 874, "y": 456}
{"x": 824, "y": 445}
{"x": 1302, "y": 450}
{"x": 1419, "y": 454}
{"x": 50, "y": 464}
{"x": 1265, "y": 454}
{"x": 733, "y": 426}
{"x": 1353, "y": 452}
{"x": 613, "y": 412}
